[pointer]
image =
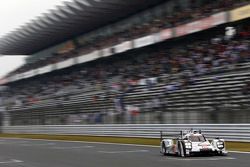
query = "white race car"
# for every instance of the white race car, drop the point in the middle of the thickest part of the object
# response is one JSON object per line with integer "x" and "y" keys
{"x": 192, "y": 143}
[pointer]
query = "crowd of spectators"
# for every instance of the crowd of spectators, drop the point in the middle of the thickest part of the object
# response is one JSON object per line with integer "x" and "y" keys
{"x": 121, "y": 74}
{"x": 178, "y": 15}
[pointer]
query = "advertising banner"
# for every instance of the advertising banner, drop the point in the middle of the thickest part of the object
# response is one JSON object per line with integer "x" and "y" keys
{"x": 123, "y": 47}
{"x": 13, "y": 78}
{"x": 65, "y": 63}
{"x": 88, "y": 57}
{"x": 28, "y": 74}
{"x": 240, "y": 13}
{"x": 202, "y": 24}
{"x": 144, "y": 41}
{"x": 106, "y": 52}
{"x": 166, "y": 34}
{"x": 45, "y": 69}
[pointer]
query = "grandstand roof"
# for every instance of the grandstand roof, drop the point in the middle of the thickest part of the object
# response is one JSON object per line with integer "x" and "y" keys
{"x": 68, "y": 21}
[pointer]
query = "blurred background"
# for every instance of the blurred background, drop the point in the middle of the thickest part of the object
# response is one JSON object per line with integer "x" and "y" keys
{"x": 139, "y": 62}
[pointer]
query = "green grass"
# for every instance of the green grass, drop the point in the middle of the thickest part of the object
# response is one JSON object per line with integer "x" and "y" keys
{"x": 233, "y": 146}
{"x": 125, "y": 140}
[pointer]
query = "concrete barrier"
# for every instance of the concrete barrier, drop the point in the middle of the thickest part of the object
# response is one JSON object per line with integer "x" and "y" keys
{"x": 230, "y": 132}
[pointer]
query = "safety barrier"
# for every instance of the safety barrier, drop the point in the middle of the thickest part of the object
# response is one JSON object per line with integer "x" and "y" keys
{"x": 230, "y": 132}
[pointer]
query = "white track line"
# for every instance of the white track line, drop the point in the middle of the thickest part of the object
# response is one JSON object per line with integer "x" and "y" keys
{"x": 46, "y": 144}
{"x": 118, "y": 152}
{"x": 241, "y": 152}
{"x": 11, "y": 161}
{"x": 201, "y": 159}
{"x": 65, "y": 148}
{"x": 19, "y": 142}
{"x": 66, "y": 141}
{"x": 120, "y": 144}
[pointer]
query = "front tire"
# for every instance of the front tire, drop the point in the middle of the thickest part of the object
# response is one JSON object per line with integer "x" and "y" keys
{"x": 220, "y": 153}
{"x": 181, "y": 150}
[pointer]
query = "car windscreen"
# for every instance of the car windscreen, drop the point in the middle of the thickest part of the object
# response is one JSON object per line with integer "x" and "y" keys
{"x": 197, "y": 138}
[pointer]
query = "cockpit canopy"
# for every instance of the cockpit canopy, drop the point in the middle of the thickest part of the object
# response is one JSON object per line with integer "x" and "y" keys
{"x": 196, "y": 138}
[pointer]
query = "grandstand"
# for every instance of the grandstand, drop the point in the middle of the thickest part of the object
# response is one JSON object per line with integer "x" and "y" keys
{"x": 160, "y": 62}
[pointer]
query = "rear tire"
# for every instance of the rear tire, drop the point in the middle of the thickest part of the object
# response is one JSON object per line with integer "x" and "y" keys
{"x": 164, "y": 149}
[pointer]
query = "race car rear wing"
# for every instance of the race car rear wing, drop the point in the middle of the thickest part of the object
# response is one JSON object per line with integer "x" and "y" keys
{"x": 174, "y": 136}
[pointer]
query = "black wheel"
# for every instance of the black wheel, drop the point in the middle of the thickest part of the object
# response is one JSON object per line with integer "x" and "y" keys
{"x": 181, "y": 149}
{"x": 184, "y": 148}
{"x": 220, "y": 153}
{"x": 164, "y": 149}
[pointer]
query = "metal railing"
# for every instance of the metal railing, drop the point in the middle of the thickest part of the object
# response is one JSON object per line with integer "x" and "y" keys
{"x": 230, "y": 132}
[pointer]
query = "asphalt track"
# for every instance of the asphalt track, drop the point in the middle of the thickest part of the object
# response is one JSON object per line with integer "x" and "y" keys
{"x": 42, "y": 153}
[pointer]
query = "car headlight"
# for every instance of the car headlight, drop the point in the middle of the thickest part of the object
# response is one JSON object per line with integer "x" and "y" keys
{"x": 188, "y": 145}
{"x": 220, "y": 144}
